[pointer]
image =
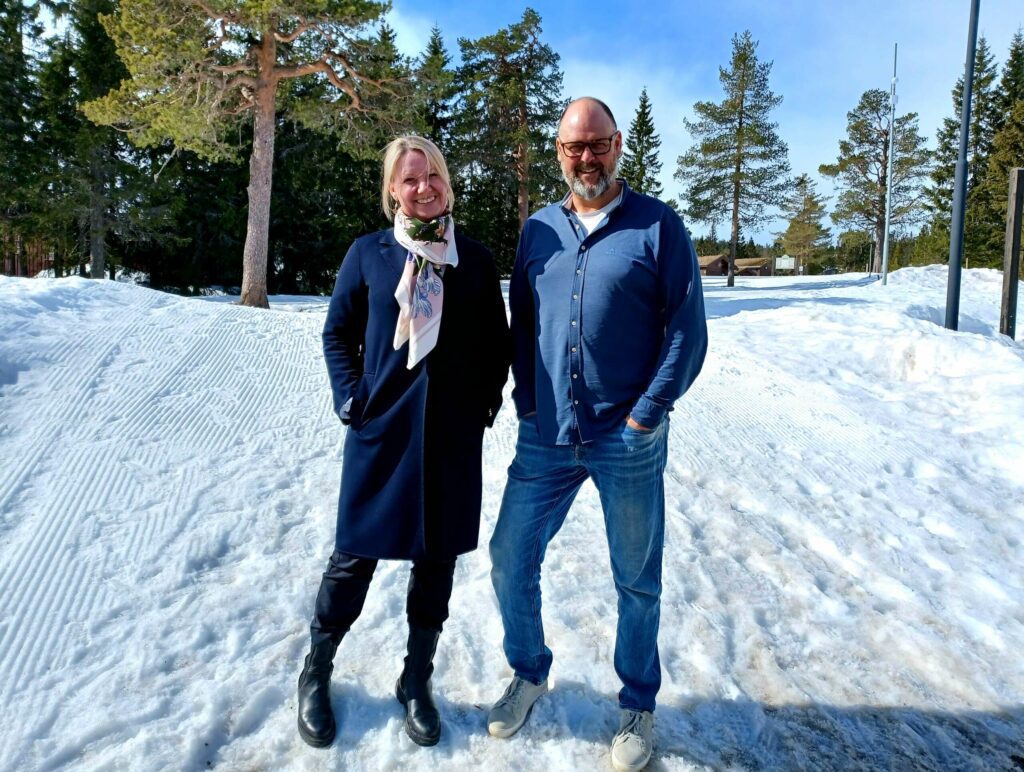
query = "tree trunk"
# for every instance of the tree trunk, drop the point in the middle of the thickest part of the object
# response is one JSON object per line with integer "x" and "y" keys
{"x": 261, "y": 168}
{"x": 523, "y": 151}
{"x": 734, "y": 239}
{"x": 731, "y": 281}
{"x": 879, "y": 242}
{"x": 97, "y": 245}
{"x": 97, "y": 219}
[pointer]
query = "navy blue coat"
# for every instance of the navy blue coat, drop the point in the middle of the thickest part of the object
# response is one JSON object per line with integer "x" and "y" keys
{"x": 411, "y": 475}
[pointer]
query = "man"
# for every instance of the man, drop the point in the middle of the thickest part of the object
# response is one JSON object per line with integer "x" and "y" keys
{"x": 608, "y": 331}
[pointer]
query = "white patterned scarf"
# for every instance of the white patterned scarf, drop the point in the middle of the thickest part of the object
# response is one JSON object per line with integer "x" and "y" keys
{"x": 420, "y": 293}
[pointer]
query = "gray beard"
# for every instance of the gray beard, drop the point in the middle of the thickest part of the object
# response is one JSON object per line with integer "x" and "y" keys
{"x": 590, "y": 192}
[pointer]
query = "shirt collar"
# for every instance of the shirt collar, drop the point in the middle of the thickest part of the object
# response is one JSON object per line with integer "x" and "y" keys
{"x": 624, "y": 191}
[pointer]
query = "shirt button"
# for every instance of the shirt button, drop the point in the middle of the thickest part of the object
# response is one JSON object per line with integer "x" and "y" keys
{"x": 575, "y": 297}
{"x": 574, "y": 375}
{"x": 573, "y": 322}
{"x": 574, "y": 349}
{"x": 578, "y": 271}
{"x": 575, "y": 402}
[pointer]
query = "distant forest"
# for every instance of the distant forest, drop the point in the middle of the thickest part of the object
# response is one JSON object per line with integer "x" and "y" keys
{"x": 212, "y": 144}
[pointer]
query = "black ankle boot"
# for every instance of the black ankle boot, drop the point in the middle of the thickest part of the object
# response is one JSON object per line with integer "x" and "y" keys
{"x": 316, "y": 719}
{"x": 422, "y": 721}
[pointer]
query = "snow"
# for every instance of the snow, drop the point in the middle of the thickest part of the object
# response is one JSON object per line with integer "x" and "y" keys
{"x": 845, "y": 498}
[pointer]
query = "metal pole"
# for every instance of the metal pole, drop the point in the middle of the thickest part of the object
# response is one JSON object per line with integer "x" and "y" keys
{"x": 892, "y": 163}
{"x": 956, "y": 230}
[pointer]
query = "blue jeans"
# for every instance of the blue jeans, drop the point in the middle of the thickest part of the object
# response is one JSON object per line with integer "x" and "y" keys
{"x": 627, "y": 468}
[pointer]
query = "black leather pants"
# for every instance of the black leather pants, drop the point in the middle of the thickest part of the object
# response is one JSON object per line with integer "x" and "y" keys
{"x": 345, "y": 583}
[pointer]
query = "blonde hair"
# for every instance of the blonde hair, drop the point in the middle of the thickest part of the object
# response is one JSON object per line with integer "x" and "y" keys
{"x": 397, "y": 148}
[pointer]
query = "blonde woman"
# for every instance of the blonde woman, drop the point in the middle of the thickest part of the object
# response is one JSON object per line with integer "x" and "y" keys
{"x": 417, "y": 349}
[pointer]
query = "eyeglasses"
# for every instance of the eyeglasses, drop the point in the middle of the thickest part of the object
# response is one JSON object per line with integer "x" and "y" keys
{"x": 597, "y": 146}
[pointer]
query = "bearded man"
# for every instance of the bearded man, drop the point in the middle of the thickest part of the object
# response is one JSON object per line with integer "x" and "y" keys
{"x": 609, "y": 331}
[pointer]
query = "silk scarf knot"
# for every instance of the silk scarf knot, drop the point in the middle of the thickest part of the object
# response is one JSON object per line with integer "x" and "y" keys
{"x": 420, "y": 292}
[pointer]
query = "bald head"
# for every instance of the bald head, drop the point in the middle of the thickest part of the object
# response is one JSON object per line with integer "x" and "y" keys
{"x": 586, "y": 110}
{"x": 589, "y": 145}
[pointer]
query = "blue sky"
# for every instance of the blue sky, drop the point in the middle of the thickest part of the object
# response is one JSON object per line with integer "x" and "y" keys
{"x": 825, "y": 56}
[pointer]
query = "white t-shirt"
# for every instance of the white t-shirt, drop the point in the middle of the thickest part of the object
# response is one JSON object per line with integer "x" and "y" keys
{"x": 591, "y": 221}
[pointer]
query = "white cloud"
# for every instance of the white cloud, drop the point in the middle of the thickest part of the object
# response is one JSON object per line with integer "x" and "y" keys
{"x": 412, "y": 31}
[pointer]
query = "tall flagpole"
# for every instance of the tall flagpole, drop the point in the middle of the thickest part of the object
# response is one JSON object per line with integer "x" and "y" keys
{"x": 892, "y": 163}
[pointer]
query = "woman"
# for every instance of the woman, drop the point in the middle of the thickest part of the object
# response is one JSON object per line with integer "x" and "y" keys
{"x": 417, "y": 350}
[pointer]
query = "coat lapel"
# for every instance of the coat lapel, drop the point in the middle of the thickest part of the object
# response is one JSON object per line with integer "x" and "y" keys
{"x": 393, "y": 255}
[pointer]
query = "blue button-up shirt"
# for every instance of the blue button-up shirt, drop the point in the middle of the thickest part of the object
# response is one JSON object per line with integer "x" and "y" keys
{"x": 607, "y": 325}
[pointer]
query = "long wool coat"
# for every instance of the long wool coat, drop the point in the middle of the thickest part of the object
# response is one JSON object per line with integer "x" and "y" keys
{"x": 411, "y": 476}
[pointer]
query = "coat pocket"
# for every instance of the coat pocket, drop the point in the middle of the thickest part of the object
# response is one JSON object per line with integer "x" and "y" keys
{"x": 360, "y": 414}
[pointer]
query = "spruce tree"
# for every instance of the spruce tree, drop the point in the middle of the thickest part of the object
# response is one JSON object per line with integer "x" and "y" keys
{"x": 435, "y": 91}
{"x": 18, "y": 153}
{"x": 1011, "y": 84}
{"x": 739, "y": 166}
{"x": 199, "y": 70}
{"x": 985, "y": 112}
{"x": 979, "y": 230}
{"x": 93, "y": 187}
{"x": 1007, "y": 154}
{"x": 984, "y": 225}
{"x": 805, "y": 237}
{"x": 640, "y": 165}
{"x": 507, "y": 118}
{"x": 863, "y": 165}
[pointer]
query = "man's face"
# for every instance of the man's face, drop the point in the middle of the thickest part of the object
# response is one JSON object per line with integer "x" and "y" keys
{"x": 588, "y": 174}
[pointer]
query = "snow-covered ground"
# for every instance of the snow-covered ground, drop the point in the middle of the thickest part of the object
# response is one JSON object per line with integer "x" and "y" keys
{"x": 843, "y": 585}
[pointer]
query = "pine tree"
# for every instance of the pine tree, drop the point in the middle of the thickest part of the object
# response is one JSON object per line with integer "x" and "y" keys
{"x": 805, "y": 237}
{"x": 739, "y": 165}
{"x": 321, "y": 190}
{"x": 853, "y": 251}
{"x": 510, "y": 88}
{"x": 435, "y": 87}
{"x": 199, "y": 69}
{"x": 863, "y": 165}
{"x": 640, "y": 165}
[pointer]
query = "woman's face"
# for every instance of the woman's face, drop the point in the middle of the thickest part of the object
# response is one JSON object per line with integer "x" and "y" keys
{"x": 419, "y": 190}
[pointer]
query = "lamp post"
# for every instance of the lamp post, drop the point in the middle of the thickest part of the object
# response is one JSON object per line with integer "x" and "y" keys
{"x": 956, "y": 230}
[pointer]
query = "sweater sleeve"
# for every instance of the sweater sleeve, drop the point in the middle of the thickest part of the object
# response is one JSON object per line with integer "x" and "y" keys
{"x": 520, "y": 300}
{"x": 681, "y": 299}
{"x": 501, "y": 351}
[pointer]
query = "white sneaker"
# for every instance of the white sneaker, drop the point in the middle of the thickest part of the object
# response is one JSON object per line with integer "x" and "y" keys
{"x": 632, "y": 746}
{"x": 511, "y": 711}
